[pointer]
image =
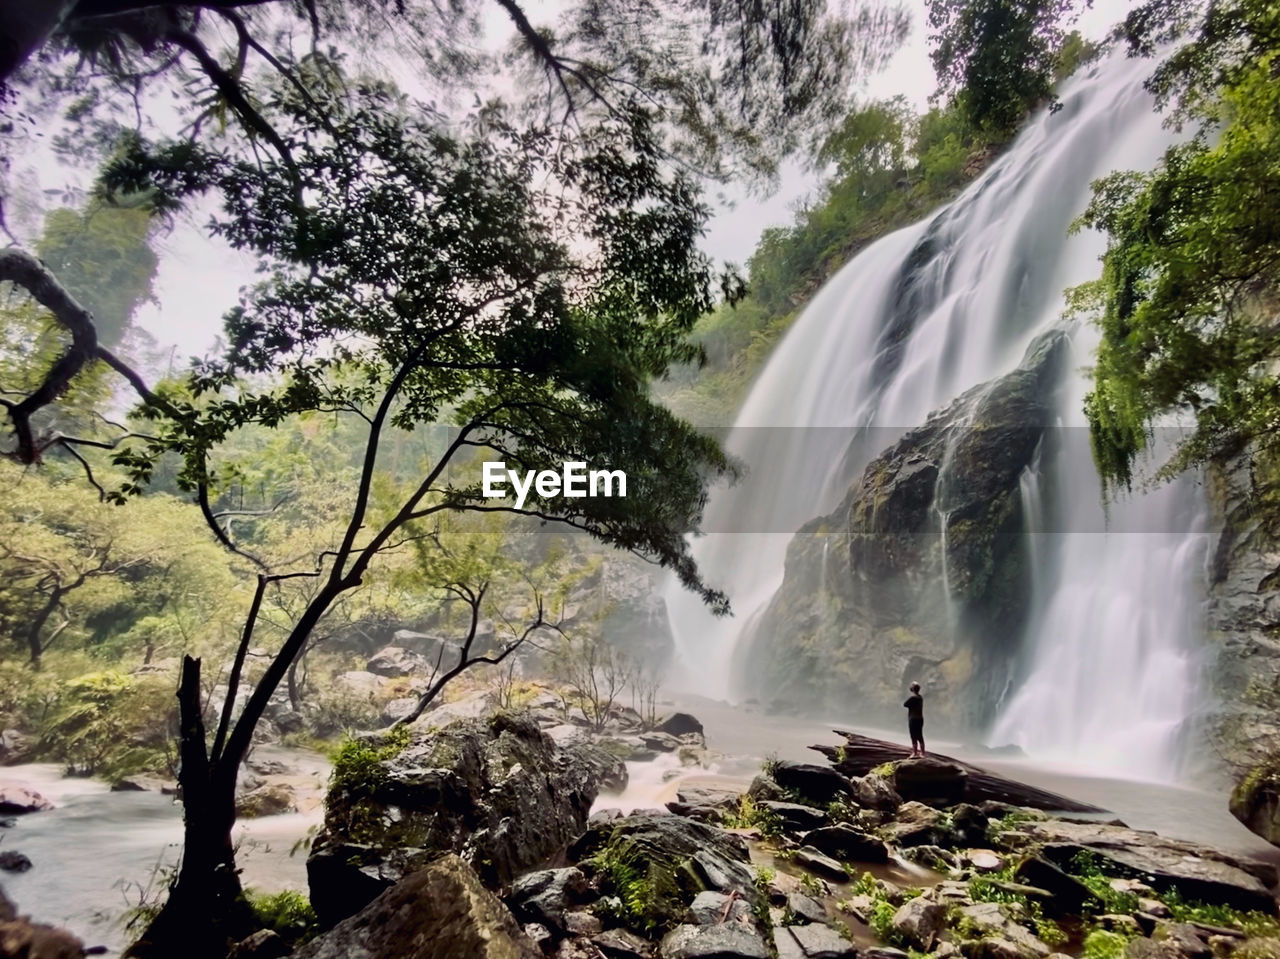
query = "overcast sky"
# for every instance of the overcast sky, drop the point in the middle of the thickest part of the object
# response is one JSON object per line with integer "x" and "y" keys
{"x": 199, "y": 279}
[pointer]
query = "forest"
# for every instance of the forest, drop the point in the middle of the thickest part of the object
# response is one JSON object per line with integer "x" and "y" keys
{"x": 993, "y": 412}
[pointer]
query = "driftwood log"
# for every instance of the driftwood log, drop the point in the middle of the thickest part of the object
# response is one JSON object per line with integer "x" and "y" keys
{"x": 861, "y": 754}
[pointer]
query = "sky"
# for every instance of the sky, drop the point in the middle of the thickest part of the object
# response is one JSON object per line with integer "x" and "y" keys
{"x": 199, "y": 278}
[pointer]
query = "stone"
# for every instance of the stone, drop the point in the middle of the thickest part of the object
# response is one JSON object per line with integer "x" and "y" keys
{"x": 1184, "y": 937}
{"x": 677, "y": 858}
{"x": 662, "y": 742}
{"x": 539, "y": 935}
{"x": 19, "y": 801}
{"x": 883, "y": 952}
{"x": 580, "y": 923}
{"x": 1154, "y": 907}
{"x": 545, "y": 896}
{"x": 817, "y": 941}
{"x": 622, "y": 944}
{"x": 970, "y": 824}
{"x": 707, "y": 803}
{"x": 681, "y": 724}
{"x": 920, "y": 921}
{"x": 984, "y": 860}
{"x": 995, "y": 922}
{"x": 763, "y": 789}
{"x": 263, "y": 944}
{"x": 728, "y": 941}
{"x": 998, "y": 947}
{"x": 396, "y": 661}
{"x": 806, "y": 908}
{"x": 1069, "y": 893}
{"x": 271, "y": 799}
{"x": 929, "y": 780}
{"x": 1118, "y": 922}
{"x": 820, "y": 784}
{"x": 794, "y": 816}
{"x": 1197, "y": 872}
{"x": 398, "y": 709}
{"x": 847, "y": 843}
{"x": 576, "y": 949}
{"x": 918, "y": 825}
{"x": 824, "y": 866}
{"x": 497, "y": 792}
{"x": 709, "y": 908}
{"x": 440, "y": 912}
{"x": 932, "y": 857}
{"x": 11, "y": 861}
{"x": 21, "y": 939}
{"x": 875, "y": 792}
{"x": 360, "y": 683}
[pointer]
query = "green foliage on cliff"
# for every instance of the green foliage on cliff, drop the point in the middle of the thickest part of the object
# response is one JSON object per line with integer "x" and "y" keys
{"x": 997, "y": 59}
{"x": 889, "y": 167}
{"x": 1187, "y": 296}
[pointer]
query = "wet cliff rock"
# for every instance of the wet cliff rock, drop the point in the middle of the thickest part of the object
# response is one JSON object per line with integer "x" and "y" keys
{"x": 921, "y": 572}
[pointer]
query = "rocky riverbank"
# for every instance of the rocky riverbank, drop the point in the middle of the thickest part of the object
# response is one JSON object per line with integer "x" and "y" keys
{"x": 472, "y": 840}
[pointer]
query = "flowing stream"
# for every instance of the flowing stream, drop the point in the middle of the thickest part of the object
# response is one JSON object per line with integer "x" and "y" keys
{"x": 1106, "y": 677}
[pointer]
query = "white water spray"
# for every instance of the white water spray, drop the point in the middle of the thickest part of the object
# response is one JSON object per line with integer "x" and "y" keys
{"x": 905, "y": 327}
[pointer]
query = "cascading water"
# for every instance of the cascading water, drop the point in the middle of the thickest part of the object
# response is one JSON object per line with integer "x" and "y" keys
{"x": 913, "y": 321}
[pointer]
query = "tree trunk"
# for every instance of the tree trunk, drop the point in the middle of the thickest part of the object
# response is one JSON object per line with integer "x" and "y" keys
{"x": 206, "y": 910}
{"x": 37, "y": 626}
{"x": 25, "y": 27}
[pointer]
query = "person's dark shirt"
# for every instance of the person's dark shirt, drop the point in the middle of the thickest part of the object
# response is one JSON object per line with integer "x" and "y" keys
{"x": 915, "y": 706}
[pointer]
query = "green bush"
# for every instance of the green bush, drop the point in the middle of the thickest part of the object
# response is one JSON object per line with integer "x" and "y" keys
{"x": 1100, "y": 944}
{"x": 288, "y": 914}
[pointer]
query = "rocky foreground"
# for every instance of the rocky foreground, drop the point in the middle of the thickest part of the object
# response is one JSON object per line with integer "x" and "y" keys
{"x": 473, "y": 840}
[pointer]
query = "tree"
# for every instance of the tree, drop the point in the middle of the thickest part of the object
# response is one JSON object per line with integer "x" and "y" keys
{"x": 66, "y": 564}
{"x": 997, "y": 58}
{"x": 733, "y": 88}
{"x": 523, "y": 282}
{"x": 1187, "y": 297}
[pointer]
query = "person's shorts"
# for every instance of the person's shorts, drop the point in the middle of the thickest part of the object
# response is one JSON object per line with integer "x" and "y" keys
{"x": 915, "y": 727}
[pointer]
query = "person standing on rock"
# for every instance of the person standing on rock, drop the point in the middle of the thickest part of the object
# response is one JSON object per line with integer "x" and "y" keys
{"x": 915, "y": 720}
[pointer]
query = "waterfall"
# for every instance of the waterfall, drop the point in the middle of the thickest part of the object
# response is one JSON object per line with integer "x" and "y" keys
{"x": 1107, "y": 668}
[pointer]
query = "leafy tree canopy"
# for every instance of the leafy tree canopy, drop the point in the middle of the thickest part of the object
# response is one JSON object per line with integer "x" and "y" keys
{"x": 1187, "y": 297}
{"x": 997, "y": 58}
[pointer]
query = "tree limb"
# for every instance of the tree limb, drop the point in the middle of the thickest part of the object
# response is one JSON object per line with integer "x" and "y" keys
{"x": 20, "y": 267}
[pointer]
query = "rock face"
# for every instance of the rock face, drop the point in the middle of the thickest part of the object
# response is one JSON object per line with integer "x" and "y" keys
{"x": 1197, "y": 872}
{"x": 920, "y": 573}
{"x": 498, "y": 792}
{"x": 1244, "y": 647}
{"x": 440, "y": 912}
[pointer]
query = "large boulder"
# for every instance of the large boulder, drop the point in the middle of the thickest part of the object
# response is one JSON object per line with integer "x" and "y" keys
{"x": 546, "y": 896}
{"x": 920, "y": 922}
{"x": 728, "y": 941}
{"x": 1197, "y": 872}
{"x": 820, "y": 784}
{"x": 929, "y": 780}
{"x": 440, "y": 912}
{"x": 847, "y": 843}
{"x": 1256, "y": 800}
{"x": 680, "y": 724}
{"x": 395, "y": 661}
{"x": 498, "y": 792}
{"x": 19, "y": 800}
{"x": 863, "y": 606}
{"x": 664, "y": 861}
